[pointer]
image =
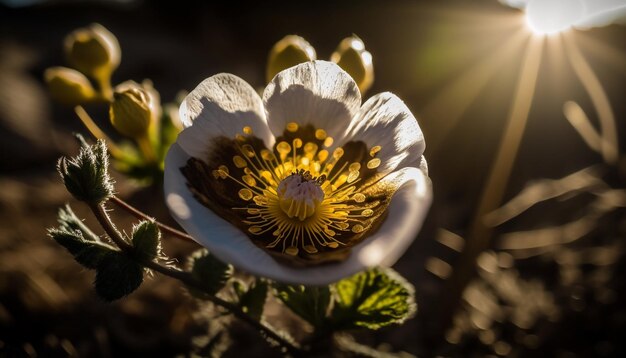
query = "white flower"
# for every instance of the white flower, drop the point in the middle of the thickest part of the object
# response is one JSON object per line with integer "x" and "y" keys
{"x": 304, "y": 186}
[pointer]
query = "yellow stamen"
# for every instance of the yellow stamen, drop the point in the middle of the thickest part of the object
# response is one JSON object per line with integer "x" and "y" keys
{"x": 306, "y": 198}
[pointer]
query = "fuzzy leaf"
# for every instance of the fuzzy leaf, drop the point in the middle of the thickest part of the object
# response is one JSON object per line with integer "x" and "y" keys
{"x": 70, "y": 222}
{"x": 117, "y": 276}
{"x": 86, "y": 253}
{"x": 147, "y": 239}
{"x": 373, "y": 299}
{"x": 310, "y": 303}
{"x": 86, "y": 175}
{"x": 253, "y": 299}
{"x": 211, "y": 272}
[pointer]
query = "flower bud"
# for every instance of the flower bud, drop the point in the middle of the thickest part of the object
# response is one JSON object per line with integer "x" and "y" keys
{"x": 68, "y": 86}
{"x": 288, "y": 52}
{"x": 354, "y": 59}
{"x": 93, "y": 51}
{"x": 130, "y": 111}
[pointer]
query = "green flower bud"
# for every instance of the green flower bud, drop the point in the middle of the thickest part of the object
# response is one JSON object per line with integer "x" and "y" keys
{"x": 130, "y": 111}
{"x": 93, "y": 51}
{"x": 288, "y": 52}
{"x": 68, "y": 86}
{"x": 354, "y": 59}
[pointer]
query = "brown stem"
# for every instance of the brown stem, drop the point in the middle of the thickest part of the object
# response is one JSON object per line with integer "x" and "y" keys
{"x": 140, "y": 215}
{"x": 103, "y": 218}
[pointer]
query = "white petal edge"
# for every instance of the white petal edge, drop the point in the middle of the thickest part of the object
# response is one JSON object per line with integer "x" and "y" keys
{"x": 316, "y": 92}
{"x": 221, "y": 105}
{"x": 406, "y": 213}
{"x": 386, "y": 121}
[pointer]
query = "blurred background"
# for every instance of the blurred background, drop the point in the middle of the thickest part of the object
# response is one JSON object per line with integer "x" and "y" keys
{"x": 542, "y": 276}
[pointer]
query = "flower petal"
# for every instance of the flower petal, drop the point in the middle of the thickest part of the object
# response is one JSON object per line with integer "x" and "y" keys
{"x": 405, "y": 216}
{"x": 384, "y": 120}
{"x": 221, "y": 105}
{"x": 317, "y": 92}
{"x": 406, "y": 213}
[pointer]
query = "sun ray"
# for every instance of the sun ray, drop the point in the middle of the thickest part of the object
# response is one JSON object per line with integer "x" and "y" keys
{"x": 613, "y": 57}
{"x": 479, "y": 234}
{"x": 464, "y": 91}
{"x": 598, "y": 96}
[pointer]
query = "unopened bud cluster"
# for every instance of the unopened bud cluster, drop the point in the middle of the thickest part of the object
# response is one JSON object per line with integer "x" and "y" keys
{"x": 350, "y": 55}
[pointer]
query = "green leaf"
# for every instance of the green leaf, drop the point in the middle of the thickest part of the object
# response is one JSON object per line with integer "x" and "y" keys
{"x": 147, "y": 240}
{"x": 117, "y": 276}
{"x": 253, "y": 299}
{"x": 86, "y": 247}
{"x": 86, "y": 253}
{"x": 310, "y": 303}
{"x": 70, "y": 222}
{"x": 211, "y": 272}
{"x": 373, "y": 299}
{"x": 86, "y": 175}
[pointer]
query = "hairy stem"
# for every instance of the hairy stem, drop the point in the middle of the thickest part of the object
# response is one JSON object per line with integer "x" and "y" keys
{"x": 140, "y": 215}
{"x": 103, "y": 218}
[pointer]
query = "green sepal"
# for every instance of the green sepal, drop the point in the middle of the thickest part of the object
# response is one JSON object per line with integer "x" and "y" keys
{"x": 211, "y": 273}
{"x": 86, "y": 175}
{"x": 147, "y": 240}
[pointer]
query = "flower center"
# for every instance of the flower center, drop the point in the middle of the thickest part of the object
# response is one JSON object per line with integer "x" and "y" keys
{"x": 300, "y": 194}
{"x": 299, "y": 199}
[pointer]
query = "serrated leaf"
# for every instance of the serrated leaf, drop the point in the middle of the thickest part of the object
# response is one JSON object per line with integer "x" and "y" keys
{"x": 373, "y": 299}
{"x": 210, "y": 272}
{"x": 310, "y": 303}
{"x": 86, "y": 253}
{"x": 70, "y": 222}
{"x": 147, "y": 240}
{"x": 117, "y": 276}
{"x": 253, "y": 300}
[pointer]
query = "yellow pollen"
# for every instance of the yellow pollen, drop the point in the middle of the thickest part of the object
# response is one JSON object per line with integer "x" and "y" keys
{"x": 310, "y": 148}
{"x": 322, "y": 155}
{"x": 245, "y": 194}
{"x": 248, "y": 150}
{"x": 358, "y": 197}
{"x": 298, "y": 197}
{"x": 374, "y": 150}
{"x": 248, "y": 179}
{"x": 239, "y": 161}
{"x": 358, "y": 228}
{"x": 373, "y": 163}
{"x": 292, "y": 127}
{"x": 267, "y": 155}
{"x": 354, "y": 175}
{"x": 338, "y": 153}
{"x": 255, "y": 229}
{"x": 283, "y": 148}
